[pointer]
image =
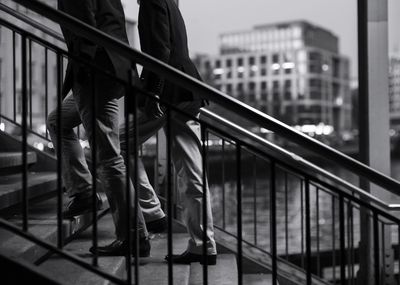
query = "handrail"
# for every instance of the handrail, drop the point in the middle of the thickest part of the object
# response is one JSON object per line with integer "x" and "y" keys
{"x": 297, "y": 159}
{"x": 214, "y": 95}
{"x": 31, "y": 22}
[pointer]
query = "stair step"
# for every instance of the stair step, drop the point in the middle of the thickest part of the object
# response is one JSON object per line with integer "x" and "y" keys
{"x": 258, "y": 279}
{"x": 13, "y": 159}
{"x": 39, "y": 183}
{"x": 223, "y": 273}
{"x": 69, "y": 273}
{"x": 155, "y": 269}
{"x": 43, "y": 224}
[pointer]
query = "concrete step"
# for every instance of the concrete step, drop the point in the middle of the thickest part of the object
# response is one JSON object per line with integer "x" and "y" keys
{"x": 14, "y": 159}
{"x": 39, "y": 183}
{"x": 258, "y": 279}
{"x": 43, "y": 224}
{"x": 223, "y": 273}
{"x": 155, "y": 269}
{"x": 67, "y": 272}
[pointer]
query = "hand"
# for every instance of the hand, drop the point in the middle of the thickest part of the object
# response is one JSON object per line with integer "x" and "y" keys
{"x": 153, "y": 109}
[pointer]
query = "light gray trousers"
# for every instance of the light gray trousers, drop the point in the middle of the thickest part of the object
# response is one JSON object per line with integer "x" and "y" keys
{"x": 188, "y": 162}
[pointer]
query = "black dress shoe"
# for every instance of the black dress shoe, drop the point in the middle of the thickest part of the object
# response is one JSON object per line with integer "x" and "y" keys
{"x": 187, "y": 258}
{"x": 120, "y": 247}
{"x": 157, "y": 226}
{"x": 81, "y": 204}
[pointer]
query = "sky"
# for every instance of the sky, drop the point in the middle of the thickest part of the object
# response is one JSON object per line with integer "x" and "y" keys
{"x": 206, "y": 19}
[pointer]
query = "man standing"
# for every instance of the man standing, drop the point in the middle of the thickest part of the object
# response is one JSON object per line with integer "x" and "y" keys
{"x": 163, "y": 35}
{"x": 107, "y": 16}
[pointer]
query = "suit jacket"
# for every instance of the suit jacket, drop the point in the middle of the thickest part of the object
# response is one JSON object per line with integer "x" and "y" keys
{"x": 163, "y": 35}
{"x": 107, "y": 16}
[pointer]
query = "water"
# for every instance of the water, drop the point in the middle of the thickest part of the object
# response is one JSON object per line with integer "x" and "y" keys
{"x": 290, "y": 207}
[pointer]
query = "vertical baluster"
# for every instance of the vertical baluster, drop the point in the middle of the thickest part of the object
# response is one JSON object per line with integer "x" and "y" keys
{"x": 255, "y": 199}
{"x": 93, "y": 147}
{"x": 376, "y": 248}
{"x": 204, "y": 137}
{"x": 169, "y": 197}
{"x": 333, "y": 239}
{"x": 286, "y": 218}
{"x": 302, "y": 221}
{"x": 352, "y": 245}
{"x": 398, "y": 252}
{"x": 30, "y": 83}
{"x": 136, "y": 184}
{"x": 46, "y": 87}
{"x": 273, "y": 223}
{"x": 223, "y": 185}
{"x": 349, "y": 264}
{"x": 342, "y": 241}
{"x": 14, "y": 78}
{"x": 24, "y": 123}
{"x": 239, "y": 211}
{"x": 308, "y": 231}
{"x": 317, "y": 225}
{"x": 59, "y": 152}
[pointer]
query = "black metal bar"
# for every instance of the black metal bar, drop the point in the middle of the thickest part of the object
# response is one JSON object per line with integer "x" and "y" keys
{"x": 376, "y": 248}
{"x": 255, "y": 198}
{"x": 14, "y": 78}
{"x": 46, "y": 86}
{"x": 273, "y": 223}
{"x": 239, "y": 212}
{"x": 223, "y": 186}
{"x": 352, "y": 245}
{"x": 342, "y": 241}
{"x": 24, "y": 123}
{"x": 286, "y": 219}
{"x": 169, "y": 197}
{"x": 317, "y": 226}
{"x": 136, "y": 182}
{"x": 65, "y": 254}
{"x": 349, "y": 264}
{"x": 308, "y": 231}
{"x": 302, "y": 221}
{"x": 213, "y": 95}
{"x": 204, "y": 138}
{"x": 333, "y": 239}
{"x": 93, "y": 148}
{"x": 398, "y": 251}
{"x": 30, "y": 82}
{"x": 59, "y": 152}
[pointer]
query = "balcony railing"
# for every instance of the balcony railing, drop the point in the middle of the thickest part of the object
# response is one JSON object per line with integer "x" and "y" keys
{"x": 320, "y": 246}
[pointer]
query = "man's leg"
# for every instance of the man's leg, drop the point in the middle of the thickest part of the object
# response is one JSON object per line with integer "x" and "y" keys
{"x": 106, "y": 133}
{"x": 76, "y": 175}
{"x": 149, "y": 202}
{"x": 188, "y": 161}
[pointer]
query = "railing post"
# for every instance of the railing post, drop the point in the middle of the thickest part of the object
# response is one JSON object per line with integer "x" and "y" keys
{"x": 239, "y": 211}
{"x": 273, "y": 223}
{"x": 308, "y": 231}
{"x": 24, "y": 124}
{"x": 169, "y": 197}
{"x": 204, "y": 137}
{"x": 59, "y": 151}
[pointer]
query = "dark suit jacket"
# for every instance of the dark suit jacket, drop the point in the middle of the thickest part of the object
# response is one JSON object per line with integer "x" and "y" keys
{"x": 107, "y": 16}
{"x": 163, "y": 35}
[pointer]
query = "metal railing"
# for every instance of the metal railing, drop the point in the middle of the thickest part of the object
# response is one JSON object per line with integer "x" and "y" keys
{"x": 282, "y": 174}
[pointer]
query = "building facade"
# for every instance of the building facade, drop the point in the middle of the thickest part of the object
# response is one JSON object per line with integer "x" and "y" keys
{"x": 292, "y": 71}
{"x": 394, "y": 92}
